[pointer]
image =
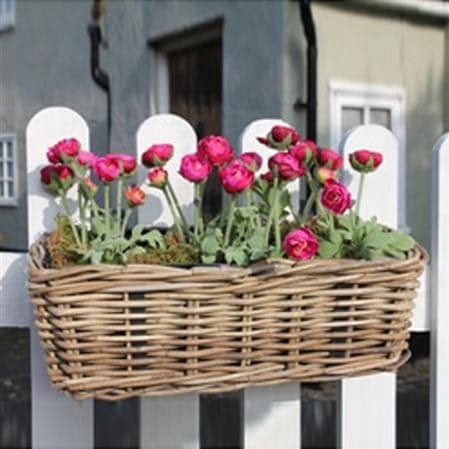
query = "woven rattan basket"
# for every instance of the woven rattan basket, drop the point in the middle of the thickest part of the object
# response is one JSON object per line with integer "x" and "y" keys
{"x": 114, "y": 332}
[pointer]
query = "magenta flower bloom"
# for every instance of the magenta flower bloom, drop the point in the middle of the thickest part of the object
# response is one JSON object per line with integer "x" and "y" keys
{"x": 57, "y": 177}
{"x": 195, "y": 168}
{"x": 251, "y": 160}
{"x": 158, "y": 177}
{"x": 68, "y": 147}
{"x": 86, "y": 158}
{"x": 216, "y": 149}
{"x": 236, "y": 177}
{"x": 335, "y": 197}
{"x": 286, "y": 166}
{"x": 126, "y": 162}
{"x": 301, "y": 244}
{"x": 157, "y": 155}
{"x": 365, "y": 161}
{"x": 330, "y": 159}
{"x": 106, "y": 170}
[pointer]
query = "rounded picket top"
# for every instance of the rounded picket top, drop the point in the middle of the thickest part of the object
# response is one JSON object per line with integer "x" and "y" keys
{"x": 173, "y": 129}
{"x": 47, "y": 127}
{"x": 248, "y": 142}
{"x": 381, "y": 196}
{"x": 259, "y": 128}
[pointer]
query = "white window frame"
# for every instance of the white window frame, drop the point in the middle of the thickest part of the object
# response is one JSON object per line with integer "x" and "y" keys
{"x": 7, "y": 19}
{"x": 10, "y": 202}
{"x": 367, "y": 96}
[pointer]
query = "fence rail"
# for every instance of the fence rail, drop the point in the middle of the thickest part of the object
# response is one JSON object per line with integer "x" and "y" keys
{"x": 271, "y": 416}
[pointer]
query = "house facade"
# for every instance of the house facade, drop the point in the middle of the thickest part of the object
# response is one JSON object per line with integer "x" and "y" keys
{"x": 222, "y": 64}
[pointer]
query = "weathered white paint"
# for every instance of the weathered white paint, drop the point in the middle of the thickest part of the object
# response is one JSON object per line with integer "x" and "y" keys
{"x": 421, "y": 314}
{"x": 366, "y": 412}
{"x": 367, "y": 419}
{"x": 248, "y": 142}
{"x": 57, "y": 421}
{"x": 166, "y": 128}
{"x": 439, "y": 389}
{"x": 14, "y": 304}
{"x": 272, "y": 417}
{"x": 168, "y": 422}
{"x": 271, "y": 414}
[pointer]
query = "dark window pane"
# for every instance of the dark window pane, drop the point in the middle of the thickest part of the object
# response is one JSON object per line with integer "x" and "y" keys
{"x": 381, "y": 117}
{"x": 351, "y": 117}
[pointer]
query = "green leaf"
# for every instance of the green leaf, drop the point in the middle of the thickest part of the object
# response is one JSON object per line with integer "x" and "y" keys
{"x": 376, "y": 240}
{"x": 208, "y": 258}
{"x": 136, "y": 233}
{"x": 154, "y": 238}
{"x": 401, "y": 241}
{"x": 210, "y": 245}
{"x": 257, "y": 240}
{"x": 328, "y": 249}
{"x": 98, "y": 226}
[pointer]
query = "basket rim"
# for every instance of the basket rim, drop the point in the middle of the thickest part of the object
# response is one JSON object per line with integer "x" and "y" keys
{"x": 418, "y": 253}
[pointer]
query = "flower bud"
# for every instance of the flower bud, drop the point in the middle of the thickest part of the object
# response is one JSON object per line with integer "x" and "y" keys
{"x": 158, "y": 177}
{"x": 365, "y": 161}
{"x": 135, "y": 195}
{"x": 157, "y": 155}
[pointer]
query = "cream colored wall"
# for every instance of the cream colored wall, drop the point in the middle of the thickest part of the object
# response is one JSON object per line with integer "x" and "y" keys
{"x": 390, "y": 50}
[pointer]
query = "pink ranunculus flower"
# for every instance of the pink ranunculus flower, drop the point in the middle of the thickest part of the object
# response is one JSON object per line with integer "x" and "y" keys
{"x": 125, "y": 162}
{"x": 251, "y": 160}
{"x": 66, "y": 147}
{"x": 195, "y": 168}
{"x": 335, "y": 197}
{"x": 106, "y": 170}
{"x": 280, "y": 137}
{"x": 216, "y": 149}
{"x": 324, "y": 174}
{"x": 89, "y": 187}
{"x": 286, "y": 166}
{"x": 57, "y": 177}
{"x": 329, "y": 158}
{"x": 236, "y": 177}
{"x": 134, "y": 195}
{"x": 301, "y": 244}
{"x": 365, "y": 161}
{"x": 86, "y": 158}
{"x": 304, "y": 151}
{"x": 158, "y": 177}
{"x": 157, "y": 155}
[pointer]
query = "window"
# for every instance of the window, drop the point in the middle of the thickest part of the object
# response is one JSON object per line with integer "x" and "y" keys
{"x": 8, "y": 171}
{"x": 7, "y": 14}
{"x": 353, "y": 104}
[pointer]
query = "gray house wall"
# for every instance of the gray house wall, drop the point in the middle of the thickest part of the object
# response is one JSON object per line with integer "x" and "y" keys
{"x": 44, "y": 61}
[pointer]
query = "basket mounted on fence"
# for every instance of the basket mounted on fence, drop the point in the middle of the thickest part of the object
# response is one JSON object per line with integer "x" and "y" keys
{"x": 114, "y": 332}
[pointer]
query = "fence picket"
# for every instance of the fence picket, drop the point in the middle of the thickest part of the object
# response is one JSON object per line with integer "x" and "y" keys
{"x": 271, "y": 414}
{"x": 168, "y": 422}
{"x": 57, "y": 421}
{"x": 366, "y": 405}
{"x": 439, "y": 384}
{"x": 14, "y": 304}
{"x": 166, "y": 128}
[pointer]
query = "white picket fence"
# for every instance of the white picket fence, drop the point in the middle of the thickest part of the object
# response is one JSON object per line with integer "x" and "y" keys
{"x": 365, "y": 405}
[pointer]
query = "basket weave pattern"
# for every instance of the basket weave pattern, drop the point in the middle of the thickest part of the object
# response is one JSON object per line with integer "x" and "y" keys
{"x": 114, "y": 332}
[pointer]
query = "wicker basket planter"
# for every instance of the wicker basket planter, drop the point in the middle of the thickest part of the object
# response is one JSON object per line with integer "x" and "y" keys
{"x": 114, "y": 332}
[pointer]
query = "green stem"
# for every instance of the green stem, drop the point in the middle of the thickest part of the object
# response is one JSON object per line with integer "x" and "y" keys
{"x": 230, "y": 220}
{"x": 271, "y": 213}
{"x": 173, "y": 212}
{"x": 119, "y": 204}
{"x": 177, "y": 206}
{"x": 277, "y": 228}
{"x": 125, "y": 221}
{"x": 359, "y": 195}
{"x": 198, "y": 211}
{"x": 69, "y": 217}
{"x": 82, "y": 216}
{"x": 107, "y": 212}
